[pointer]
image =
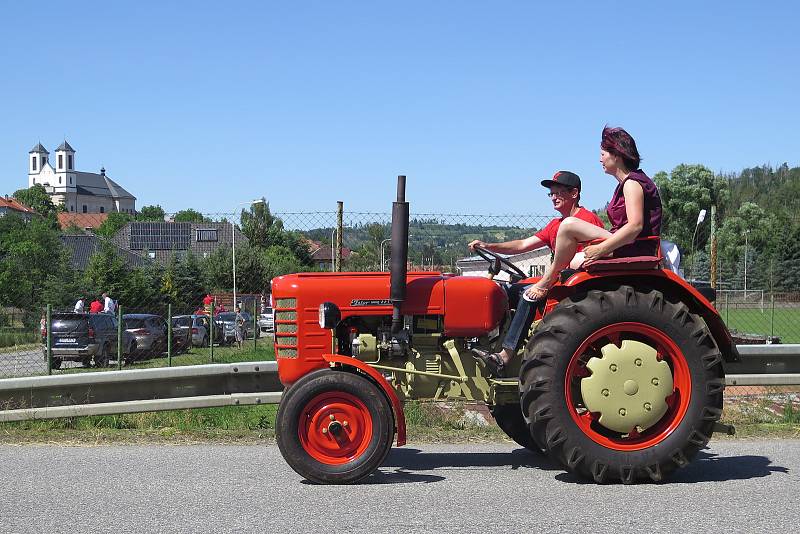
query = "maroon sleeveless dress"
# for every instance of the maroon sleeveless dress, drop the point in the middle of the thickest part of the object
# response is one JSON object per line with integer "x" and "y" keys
{"x": 652, "y": 216}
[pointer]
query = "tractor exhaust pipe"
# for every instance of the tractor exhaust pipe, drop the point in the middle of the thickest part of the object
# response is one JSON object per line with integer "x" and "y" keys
{"x": 399, "y": 254}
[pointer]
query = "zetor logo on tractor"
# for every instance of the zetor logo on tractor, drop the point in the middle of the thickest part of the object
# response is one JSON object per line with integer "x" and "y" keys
{"x": 620, "y": 379}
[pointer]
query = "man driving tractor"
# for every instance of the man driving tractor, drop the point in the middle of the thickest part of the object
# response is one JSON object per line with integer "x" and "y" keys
{"x": 565, "y": 193}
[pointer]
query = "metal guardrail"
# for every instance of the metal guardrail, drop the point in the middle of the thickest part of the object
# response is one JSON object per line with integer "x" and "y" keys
{"x": 112, "y": 392}
{"x": 249, "y": 383}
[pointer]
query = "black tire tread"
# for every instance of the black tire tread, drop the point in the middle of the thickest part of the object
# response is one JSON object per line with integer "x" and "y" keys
{"x": 542, "y": 396}
{"x": 300, "y": 393}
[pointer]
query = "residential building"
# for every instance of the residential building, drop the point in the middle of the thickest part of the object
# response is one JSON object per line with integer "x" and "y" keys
{"x": 12, "y": 205}
{"x": 159, "y": 240}
{"x": 323, "y": 255}
{"x": 77, "y": 191}
{"x": 85, "y": 221}
{"x": 82, "y": 247}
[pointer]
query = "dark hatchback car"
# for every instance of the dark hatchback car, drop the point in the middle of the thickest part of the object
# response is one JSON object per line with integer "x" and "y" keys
{"x": 89, "y": 338}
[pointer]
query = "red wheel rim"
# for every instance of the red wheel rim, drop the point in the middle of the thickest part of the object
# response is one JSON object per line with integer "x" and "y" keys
{"x": 677, "y": 403}
{"x": 335, "y": 427}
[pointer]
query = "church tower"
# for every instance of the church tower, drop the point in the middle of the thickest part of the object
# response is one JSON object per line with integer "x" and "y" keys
{"x": 37, "y": 159}
{"x": 65, "y": 158}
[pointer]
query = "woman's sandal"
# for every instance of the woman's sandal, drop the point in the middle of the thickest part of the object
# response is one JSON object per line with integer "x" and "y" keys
{"x": 492, "y": 361}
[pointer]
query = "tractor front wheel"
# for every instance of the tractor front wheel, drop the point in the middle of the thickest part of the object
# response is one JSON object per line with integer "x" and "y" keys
{"x": 334, "y": 427}
{"x": 622, "y": 385}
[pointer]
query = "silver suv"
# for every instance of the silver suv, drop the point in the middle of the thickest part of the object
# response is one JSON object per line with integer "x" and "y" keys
{"x": 266, "y": 322}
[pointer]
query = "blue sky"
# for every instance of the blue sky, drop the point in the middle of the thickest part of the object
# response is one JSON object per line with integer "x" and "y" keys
{"x": 209, "y": 104}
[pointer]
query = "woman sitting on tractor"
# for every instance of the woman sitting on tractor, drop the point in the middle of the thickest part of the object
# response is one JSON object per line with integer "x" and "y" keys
{"x": 634, "y": 212}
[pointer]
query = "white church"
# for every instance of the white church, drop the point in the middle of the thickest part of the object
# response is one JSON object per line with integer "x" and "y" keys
{"x": 79, "y": 192}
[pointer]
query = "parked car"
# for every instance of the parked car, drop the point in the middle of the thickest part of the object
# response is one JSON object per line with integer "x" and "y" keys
{"x": 181, "y": 333}
{"x": 266, "y": 322}
{"x": 150, "y": 331}
{"x": 89, "y": 338}
{"x": 229, "y": 319}
{"x": 200, "y": 331}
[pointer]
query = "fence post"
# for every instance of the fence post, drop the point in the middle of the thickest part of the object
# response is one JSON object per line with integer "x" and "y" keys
{"x": 772, "y": 315}
{"x": 211, "y": 337}
{"x": 255, "y": 327}
{"x": 120, "y": 356}
{"x": 339, "y": 237}
{"x": 169, "y": 335}
{"x": 49, "y": 339}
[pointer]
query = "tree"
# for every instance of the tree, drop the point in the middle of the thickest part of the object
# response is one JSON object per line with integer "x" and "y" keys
{"x": 113, "y": 224}
{"x": 151, "y": 213}
{"x": 218, "y": 272}
{"x": 280, "y": 260}
{"x": 264, "y": 230}
{"x": 190, "y": 215}
{"x": 106, "y": 271}
{"x": 36, "y": 198}
{"x": 684, "y": 192}
{"x": 31, "y": 259}
{"x": 259, "y": 225}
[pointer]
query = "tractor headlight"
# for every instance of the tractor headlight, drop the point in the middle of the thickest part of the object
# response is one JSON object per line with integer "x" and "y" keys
{"x": 329, "y": 315}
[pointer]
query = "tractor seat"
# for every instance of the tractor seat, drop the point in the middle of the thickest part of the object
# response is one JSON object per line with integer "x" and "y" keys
{"x": 631, "y": 263}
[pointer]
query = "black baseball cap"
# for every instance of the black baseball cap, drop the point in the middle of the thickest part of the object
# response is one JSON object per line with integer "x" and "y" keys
{"x": 565, "y": 178}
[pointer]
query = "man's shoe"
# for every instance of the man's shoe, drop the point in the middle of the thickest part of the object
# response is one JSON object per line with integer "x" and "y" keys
{"x": 492, "y": 361}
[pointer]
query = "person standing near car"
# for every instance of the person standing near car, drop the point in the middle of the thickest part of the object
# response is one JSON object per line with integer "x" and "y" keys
{"x": 239, "y": 327}
{"x": 109, "y": 306}
{"x": 80, "y": 306}
{"x": 565, "y": 193}
{"x": 96, "y": 306}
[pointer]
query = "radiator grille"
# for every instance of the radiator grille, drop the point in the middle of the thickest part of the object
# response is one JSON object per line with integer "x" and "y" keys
{"x": 285, "y": 315}
{"x": 286, "y": 340}
{"x": 287, "y": 353}
{"x": 286, "y": 303}
{"x": 287, "y": 328}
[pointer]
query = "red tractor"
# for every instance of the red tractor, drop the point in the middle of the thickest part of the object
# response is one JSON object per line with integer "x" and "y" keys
{"x": 621, "y": 378}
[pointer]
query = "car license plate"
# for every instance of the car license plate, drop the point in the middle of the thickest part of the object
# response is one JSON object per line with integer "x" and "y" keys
{"x": 67, "y": 340}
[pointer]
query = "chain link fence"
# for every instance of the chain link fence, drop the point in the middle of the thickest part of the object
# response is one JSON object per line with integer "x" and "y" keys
{"x": 194, "y": 288}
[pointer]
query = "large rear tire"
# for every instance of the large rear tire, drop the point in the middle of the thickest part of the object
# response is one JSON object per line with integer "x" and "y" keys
{"x": 334, "y": 427}
{"x": 600, "y": 398}
{"x": 511, "y": 421}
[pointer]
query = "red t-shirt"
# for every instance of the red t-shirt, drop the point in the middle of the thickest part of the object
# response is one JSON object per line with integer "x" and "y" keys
{"x": 549, "y": 232}
{"x": 96, "y": 307}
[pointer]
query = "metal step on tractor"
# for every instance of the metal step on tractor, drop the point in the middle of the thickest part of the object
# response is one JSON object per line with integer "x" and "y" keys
{"x": 620, "y": 380}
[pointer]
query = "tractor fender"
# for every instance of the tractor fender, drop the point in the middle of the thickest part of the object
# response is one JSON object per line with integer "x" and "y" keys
{"x": 666, "y": 282}
{"x": 338, "y": 360}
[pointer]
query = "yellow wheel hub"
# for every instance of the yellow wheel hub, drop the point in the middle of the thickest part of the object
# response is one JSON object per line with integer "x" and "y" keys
{"x": 628, "y": 386}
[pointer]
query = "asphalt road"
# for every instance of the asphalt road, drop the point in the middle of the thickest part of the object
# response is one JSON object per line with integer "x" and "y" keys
{"x": 27, "y": 362}
{"x": 736, "y": 486}
{"x": 21, "y": 362}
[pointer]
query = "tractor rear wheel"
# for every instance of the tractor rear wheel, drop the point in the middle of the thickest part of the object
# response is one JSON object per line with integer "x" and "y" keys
{"x": 510, "y": 420}
{"x": 334, "y": 427}
{"x": 622, "y": 385}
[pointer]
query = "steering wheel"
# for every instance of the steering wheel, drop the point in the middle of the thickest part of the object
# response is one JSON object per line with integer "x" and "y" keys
{"x": 498, "y": 263}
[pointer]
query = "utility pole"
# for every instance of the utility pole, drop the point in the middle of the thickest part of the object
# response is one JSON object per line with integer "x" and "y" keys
{"x": 713, "y": 258}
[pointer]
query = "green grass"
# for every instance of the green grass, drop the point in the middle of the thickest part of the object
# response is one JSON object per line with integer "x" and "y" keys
{"x": 757, "y": 418}
{"x": 426, "y": 423}
{"x": 197, "y": 356}
{"x": 11, "y": 338}
{"x": 782, "y": 322}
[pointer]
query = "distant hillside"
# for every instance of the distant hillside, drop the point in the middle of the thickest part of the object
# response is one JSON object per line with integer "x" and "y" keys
{"x": 776, "y": 190}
